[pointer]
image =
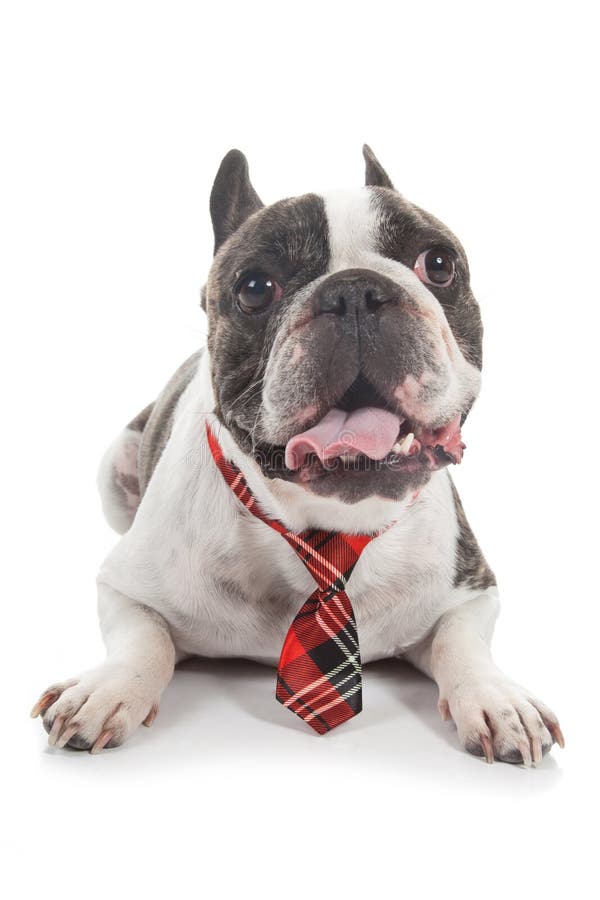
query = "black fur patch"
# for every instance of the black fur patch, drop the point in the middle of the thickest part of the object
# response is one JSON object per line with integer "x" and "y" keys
{"x": 157, "y": 426}
{"x": 375, "y": 174}
{"x": 471, "y": 567}
{"x": 405, "y": 231}
{"x": 289, "y": 242}
{"x": 233, "y": 199}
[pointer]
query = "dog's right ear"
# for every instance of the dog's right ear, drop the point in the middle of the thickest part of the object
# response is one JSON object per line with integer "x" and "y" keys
{"x": 233, "y": 198}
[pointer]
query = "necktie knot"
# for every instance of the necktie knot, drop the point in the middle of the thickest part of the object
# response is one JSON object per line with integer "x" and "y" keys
{"x": 329, "y": 556}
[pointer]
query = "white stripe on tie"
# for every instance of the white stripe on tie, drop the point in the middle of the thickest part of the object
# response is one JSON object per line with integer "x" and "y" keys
{"x": 319, "y": 681}
{"x": 326, "y": 607}
{"x": 327, "y": 706}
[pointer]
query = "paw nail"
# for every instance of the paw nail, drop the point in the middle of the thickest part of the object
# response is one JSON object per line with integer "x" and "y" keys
{"x": 444, "y": 710}
{"x": 488, "y": 749}
{"x": 554, "y": 729}
{"x": 151, "y": 716}
{"x": 43, "y": 703}
{"x": 55, "y": 730}
{"x": 526, "y": 754}
{"x": 101, "y": 742}
{"x": 67, "y": 735}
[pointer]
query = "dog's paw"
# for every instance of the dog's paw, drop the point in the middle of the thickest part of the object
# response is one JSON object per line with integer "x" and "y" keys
{"x": 99, "y": 709}
{"x": 497, "y": 719}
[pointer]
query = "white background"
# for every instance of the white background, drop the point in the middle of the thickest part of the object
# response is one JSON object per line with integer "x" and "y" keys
{"x": 115, "y": 117}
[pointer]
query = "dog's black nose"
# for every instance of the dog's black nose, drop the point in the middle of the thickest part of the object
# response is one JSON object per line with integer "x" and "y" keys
{"x": 353, "y": 290}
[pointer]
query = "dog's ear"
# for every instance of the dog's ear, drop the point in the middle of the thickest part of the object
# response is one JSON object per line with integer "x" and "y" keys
{"x": 375, "y": 174}
{"x": 233, "y": 198}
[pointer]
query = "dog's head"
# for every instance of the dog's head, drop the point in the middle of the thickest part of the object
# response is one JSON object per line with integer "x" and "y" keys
{"x": 344, "y": 339}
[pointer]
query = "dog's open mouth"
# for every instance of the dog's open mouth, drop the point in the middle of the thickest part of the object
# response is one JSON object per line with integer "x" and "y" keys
{"x": 363, "y": 441}
{"x": 369, "y": 439}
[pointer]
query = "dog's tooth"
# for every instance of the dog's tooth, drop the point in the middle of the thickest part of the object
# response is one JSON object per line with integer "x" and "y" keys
{"x": 403, "y": 446}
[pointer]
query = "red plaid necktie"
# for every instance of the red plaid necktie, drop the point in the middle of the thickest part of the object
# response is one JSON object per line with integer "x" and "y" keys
{"x": 319, "y": 671}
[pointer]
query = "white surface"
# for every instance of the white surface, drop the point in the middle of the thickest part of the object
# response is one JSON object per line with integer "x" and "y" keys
{"x": 115, "y": 117}
{"x": 229, "y": 792}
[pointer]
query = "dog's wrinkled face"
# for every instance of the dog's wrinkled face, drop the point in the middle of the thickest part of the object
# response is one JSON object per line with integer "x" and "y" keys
{"x": 344, "y": 338}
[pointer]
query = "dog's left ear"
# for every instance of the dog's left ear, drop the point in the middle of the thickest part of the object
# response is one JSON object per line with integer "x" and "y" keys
{"x": 375, "y": 174}
{"x": 233, "y": 198}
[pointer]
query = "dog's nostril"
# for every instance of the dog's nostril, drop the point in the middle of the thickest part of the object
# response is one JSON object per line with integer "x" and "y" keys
{"x": 370, "y": 301}
{"x": 374, "y": 300}
{"x": 348, "y": 293}
{"x": 332, "y": 302}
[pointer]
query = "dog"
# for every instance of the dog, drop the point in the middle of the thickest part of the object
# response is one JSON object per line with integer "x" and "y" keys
{"x": 343, "y": 356}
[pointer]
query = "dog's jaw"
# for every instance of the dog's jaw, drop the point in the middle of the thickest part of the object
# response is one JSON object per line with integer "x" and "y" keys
{"x": 300, "y": 509}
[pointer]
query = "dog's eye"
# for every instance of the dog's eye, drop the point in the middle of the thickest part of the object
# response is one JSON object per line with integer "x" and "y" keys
{"x": 257, "y": 291}
{"x": 436, "y": 266}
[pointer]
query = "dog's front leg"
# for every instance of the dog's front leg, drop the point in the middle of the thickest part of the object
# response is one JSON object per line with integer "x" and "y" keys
{"x": 104, "y": 705}
{"x": 494, "y": 716}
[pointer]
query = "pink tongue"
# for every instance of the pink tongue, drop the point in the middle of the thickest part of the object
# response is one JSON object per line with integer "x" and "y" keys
{"x": 369, "y": 430}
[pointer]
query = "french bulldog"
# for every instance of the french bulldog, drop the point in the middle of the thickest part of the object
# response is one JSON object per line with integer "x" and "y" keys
{"x": 344, "y": 353}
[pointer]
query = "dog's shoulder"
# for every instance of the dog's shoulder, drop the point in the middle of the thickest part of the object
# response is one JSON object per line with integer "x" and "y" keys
{"x": 157, "y": 426}
{"x": 471, "y": 567}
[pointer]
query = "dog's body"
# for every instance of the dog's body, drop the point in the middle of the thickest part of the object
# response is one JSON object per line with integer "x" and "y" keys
{"x": 357, "y": 333}
{"x": 238, "y": 588}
